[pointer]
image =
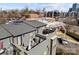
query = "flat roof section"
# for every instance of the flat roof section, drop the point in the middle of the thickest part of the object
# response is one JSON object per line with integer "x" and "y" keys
{"x": 18, "y": 28}
{"x": 35, "y": 23}
{"x": 4, "y": 34}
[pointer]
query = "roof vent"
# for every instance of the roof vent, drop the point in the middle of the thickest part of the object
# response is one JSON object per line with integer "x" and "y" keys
{"x": 16, "y": 22}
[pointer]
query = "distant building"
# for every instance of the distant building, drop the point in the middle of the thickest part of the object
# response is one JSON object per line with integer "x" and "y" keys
{"x": 75, "y": 7}
{"x": 62, "y": 14}
{"x": 49, "y": 14}
{"x": 74, "y": 12}
{"x": 52, "y": 13}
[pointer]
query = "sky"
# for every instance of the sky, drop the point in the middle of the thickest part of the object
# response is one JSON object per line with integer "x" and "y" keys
{"x": 48, "y": 6}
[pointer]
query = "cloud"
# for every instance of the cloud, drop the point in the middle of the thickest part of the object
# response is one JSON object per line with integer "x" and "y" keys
{"x": 57, "y": 6}
{"x": 48, "y": 6}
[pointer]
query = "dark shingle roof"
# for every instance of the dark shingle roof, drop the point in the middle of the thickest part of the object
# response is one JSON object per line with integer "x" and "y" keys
{"x": 18, "y": 29}
{"x": 35, "y": 23}
{"x": 3, "y": 34}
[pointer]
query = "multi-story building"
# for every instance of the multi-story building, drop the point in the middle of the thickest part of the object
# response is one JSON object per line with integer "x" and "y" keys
{"x": 74, "y": 12}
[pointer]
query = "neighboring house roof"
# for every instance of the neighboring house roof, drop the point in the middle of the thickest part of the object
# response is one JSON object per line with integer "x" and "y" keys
{"x": 35, "y": 23}
{"x": 18, "y": 28}
{"x": 3, "y": 34}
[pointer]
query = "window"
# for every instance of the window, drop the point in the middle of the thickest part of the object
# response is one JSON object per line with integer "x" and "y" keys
{"x": 6, "y": 43}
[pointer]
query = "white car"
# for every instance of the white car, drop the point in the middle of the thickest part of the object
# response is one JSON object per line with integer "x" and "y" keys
{"x": 65, "y": 42}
